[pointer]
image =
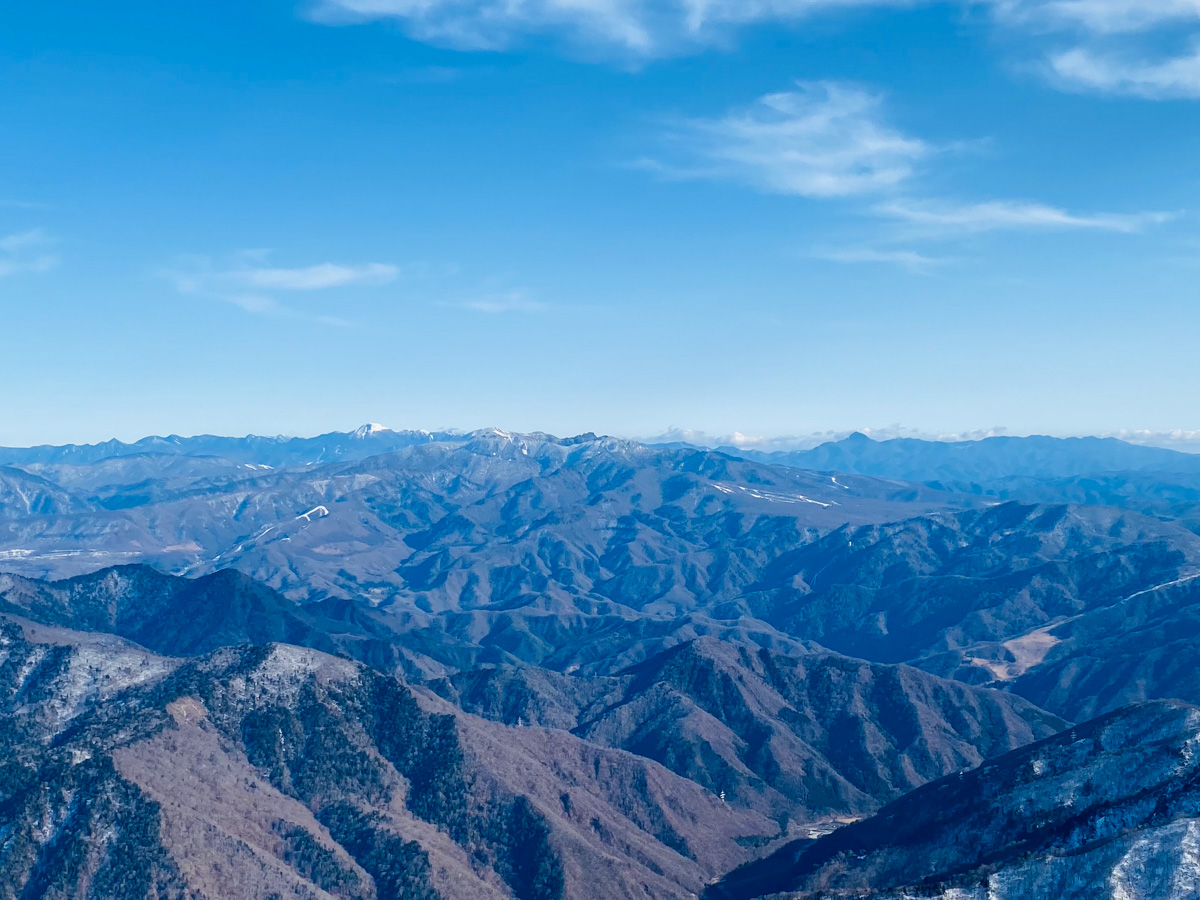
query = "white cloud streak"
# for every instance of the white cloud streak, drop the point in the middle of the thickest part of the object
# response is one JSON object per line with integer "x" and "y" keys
{"x": 506, "y": 302}
{"x": 1115, "y": 46}
{"x": 1016, "y": 215}
{"x": 641, "y": 28}
{"x": 905, "y": 259}
{"x": 1074, "y": 38}
{"x": 315, "y": 278}
{"x": 250, "y": 286}
{"x": 1099, "y": 17}
{"x": 27, "y": 252}
{"x": 823, "y": 139}
{"x": 1118, "y": 73}
{"x": 829, "y": 140}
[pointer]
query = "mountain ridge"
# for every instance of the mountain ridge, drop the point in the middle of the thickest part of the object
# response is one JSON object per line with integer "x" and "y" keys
{"x": 1093, "y": 812}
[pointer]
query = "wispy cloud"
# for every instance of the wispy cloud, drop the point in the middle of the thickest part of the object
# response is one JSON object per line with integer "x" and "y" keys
{"x": 1114, "y": 46}
{"x": 823, "y": 139}
{"x": 27, "y": 252}
{"x": 1118, "y": 73}
{"x": 1100, "y": 45}
{"x": 639, "y": 28}
{"x": 833, "y": 141}
{"x": 1016, "y": 214}
{"x": 247, "y": 279}
{"x": 315, "y": 278}
{"x": 504, "y": 302}
{"x": 905, "y": 259}
{"x": 1101, "y": 17}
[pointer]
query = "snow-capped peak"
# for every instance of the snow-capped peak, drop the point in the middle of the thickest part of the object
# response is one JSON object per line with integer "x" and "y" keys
{"x": 370, "y": 428}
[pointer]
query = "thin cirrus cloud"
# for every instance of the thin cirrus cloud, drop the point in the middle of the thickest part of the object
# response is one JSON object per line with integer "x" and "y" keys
{"x": 1102, "y": 17}
{"x": 642, "y": 28}
{"x": 1119, "y": 73}
{"x": 905, "y": 259}
{"x": 833, "y": 141}
{"x": 28, "y": 252}
{"x": 1094, "y": 45}
{"x": 1116, "y": 46}
{"x": 1011, "y": 215}
{"x": 250, "y": 284}
{"x": 504, "y": 302}
{"x": 822, "y": 139}
{"x": 315, "y": 278}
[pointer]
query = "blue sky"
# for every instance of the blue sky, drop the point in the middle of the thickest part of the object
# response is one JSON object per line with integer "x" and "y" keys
{"x": 770, "y": 217}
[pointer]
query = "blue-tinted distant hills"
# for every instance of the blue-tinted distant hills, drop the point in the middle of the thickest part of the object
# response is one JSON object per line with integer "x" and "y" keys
{"x": 905, "y": 459}
{"x": 276, "y": 452}
{"x": 988, "y": 460}
{"x": 1089, "y": 470}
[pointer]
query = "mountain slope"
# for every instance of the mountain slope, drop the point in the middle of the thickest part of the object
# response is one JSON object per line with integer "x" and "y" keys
{"x": 566, "y": 522}
{"x": 23, "y": 494}
{"x": 804, "y": 738}
{"x": 176, "y": 615}
{"x": 1143, "y": 648}
{"x": 281, "y": 770}
{"x": 796, "y": 738}
{"x": 940, "y": 584}
{"x": 1106, "y": 809}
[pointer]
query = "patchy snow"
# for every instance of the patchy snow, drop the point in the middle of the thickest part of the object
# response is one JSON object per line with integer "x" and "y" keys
{"x": 772, "y": 496}
{"x": 68, "y": 554}
{"x": 369, "y": 429}
{"x": 263, "y": 532}
{"x": 1159, "y": 587}
{"x": 97, "y": 669}
{"x": 318, "y": 511}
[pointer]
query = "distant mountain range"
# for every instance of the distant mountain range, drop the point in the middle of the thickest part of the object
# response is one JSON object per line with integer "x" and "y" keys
{"x": 907, "y": 459}
{"x": 399, "y": 664}
{"x": 279, "y": 451}
{"x": 987, "y": 460}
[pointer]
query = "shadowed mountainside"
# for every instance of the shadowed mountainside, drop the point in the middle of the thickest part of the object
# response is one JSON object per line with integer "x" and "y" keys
{"x": 280, "y": 770}
{"x": 798, "y": 738}
{"x": 1108, "y": 809}
{"x": 565, "y": 522}
{"x": 937, "y": 585}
